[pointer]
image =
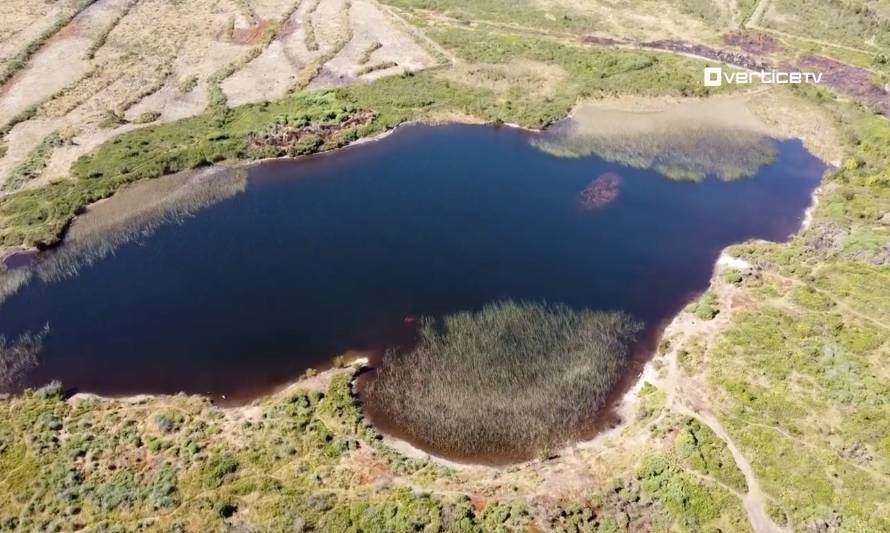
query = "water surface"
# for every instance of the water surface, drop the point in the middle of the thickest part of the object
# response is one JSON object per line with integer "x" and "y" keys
{"x": 332, "y": 253}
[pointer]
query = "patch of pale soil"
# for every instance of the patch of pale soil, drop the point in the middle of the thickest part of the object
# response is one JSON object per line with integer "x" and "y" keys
{"x": 270, "y": 9}
{"x": 21, "y": 141}
{"x": 328, "y": 22}
{"x": 157, "y": 42}
{"x": 23, "y": 22}
{"x": 727, "y": 261}
{"x": 171, "y": 102}
{"x": 371, "y": 25}
{"x": 87, "y": 139}
{"x": 409, "y": 450}
{"x": 757, "y": 15}
{"x": 59, "y": 62}
{"x": 269, "y": 76}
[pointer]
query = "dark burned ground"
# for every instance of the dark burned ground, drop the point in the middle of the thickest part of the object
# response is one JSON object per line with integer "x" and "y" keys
{"x": 753, "y": 42}
{"x": 292, "y": 140}
{"x": 851, "y": 81}
{"x": 700, "y": 50}
{"x": 848, "y": 80}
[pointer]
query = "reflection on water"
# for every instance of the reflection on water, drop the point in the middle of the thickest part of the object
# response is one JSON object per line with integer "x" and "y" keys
{"x": 686, "y": 142}
{"x": 134, "y": 214}
{"x": 333, "y": 253}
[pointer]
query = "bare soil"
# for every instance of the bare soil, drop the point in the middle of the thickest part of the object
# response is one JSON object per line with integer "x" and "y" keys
{"x": 146, "y": 53}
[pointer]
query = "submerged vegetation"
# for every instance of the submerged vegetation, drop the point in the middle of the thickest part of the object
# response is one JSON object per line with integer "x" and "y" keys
{"x": 728, "y": 154}
{"x": 19, "y": 356}
{"x": 514, "y": 377}
{"x": 135, "y": 213}
{"x": 686, "y": 142}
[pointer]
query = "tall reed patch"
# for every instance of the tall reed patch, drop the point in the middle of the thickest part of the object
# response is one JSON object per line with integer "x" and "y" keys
{"x": 19, "y": 356}
{"x": 514, "y": 378}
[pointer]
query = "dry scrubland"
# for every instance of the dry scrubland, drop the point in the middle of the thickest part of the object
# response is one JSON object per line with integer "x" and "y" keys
{"x": 764, "y": 408}
{"x": 88, "y": 70}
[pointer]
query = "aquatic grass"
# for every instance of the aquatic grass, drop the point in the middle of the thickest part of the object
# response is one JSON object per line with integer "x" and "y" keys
{"x": 678, "y": 150}
{"x": 18, "y": 357}
{"x": 134, "y": 214}
{"x": 513, "y": 378}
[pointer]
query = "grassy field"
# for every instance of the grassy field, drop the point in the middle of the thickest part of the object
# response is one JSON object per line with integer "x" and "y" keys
{"x": 801, "y": 373}
{"x": 859, "y": 24}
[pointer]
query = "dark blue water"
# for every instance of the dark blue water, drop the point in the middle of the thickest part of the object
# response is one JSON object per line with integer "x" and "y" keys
{"x": 331, "y": 253}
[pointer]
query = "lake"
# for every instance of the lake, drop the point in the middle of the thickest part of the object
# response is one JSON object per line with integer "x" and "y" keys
{"x": 339, "y": 252}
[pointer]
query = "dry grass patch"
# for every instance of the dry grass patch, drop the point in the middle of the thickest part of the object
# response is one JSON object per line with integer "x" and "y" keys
{"x": 540, "y": 78}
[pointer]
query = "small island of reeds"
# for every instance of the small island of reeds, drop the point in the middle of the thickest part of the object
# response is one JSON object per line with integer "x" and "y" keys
{"x": 513, "y": 379}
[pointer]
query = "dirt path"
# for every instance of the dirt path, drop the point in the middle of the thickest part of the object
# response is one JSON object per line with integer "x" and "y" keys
{"x": 688, "y": 397}
{"x": 416, "y": 33}
{"x": 757, "y": 14}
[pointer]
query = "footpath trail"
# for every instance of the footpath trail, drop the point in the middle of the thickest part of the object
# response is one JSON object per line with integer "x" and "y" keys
{"x": 687, "y": 397}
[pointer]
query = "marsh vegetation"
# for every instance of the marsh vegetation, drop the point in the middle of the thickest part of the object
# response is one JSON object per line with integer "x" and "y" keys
{"x": 686, "y": 143}
{"x": 512, "y": 378}
{"x": 18, "y": 356}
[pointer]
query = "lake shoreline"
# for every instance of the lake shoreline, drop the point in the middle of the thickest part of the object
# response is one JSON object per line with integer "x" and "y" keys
{"x": 614, "y": 417}
{"x": 625, "y": 104}
{"x": 633, "y": 375}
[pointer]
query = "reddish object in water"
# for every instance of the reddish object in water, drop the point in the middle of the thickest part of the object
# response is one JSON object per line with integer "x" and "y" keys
{"x": 601, "y": 192}
{"x": 409, "y": 321}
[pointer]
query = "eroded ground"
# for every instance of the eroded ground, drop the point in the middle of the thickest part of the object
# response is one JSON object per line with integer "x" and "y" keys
{"x": 119, "y": 64}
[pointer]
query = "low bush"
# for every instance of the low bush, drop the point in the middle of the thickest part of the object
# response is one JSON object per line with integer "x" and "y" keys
{"x": 705, "y": 307}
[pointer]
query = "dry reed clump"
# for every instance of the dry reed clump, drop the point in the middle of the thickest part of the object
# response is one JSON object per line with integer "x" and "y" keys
{"x": 135, "y": 214}
{"x": 514, "y": 378}
{"x": 18, "y": 357}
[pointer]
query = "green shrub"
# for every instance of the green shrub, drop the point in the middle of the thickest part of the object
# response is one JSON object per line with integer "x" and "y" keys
{"x": 705, "y": 308}
{"x": 733, "y": 276}
{"x": 219, "y": 469}
{"x": 705, "y": 452}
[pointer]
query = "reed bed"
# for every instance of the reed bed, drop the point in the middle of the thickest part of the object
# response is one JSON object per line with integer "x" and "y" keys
{"x": 514, "y": 378}
{"x": 19, "y": 356}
